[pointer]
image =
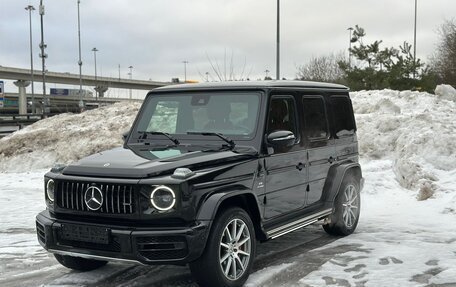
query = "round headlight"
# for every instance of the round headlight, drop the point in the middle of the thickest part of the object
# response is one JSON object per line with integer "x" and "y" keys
{"x": 50, "y": 189}
{"x": 163, "y": 198}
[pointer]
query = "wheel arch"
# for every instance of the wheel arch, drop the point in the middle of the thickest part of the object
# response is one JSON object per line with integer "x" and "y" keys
{"x": 244, "y": 199}
{"x": 336, "y": 176}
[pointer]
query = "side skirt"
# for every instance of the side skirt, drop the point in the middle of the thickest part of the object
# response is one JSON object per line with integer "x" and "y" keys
{"x": 297, "y": 224}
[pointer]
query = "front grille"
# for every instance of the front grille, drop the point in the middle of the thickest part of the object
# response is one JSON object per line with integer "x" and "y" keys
{"x": 117, "y": 198}
{"x": 40, "y": 232}
{"x": 162, "y": 247}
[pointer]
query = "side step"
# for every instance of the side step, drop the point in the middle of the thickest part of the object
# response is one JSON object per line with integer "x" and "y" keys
{"x": 302, "y": 222}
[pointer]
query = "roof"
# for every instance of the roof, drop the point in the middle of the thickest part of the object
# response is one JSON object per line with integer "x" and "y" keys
{"x": 253, "y": 85}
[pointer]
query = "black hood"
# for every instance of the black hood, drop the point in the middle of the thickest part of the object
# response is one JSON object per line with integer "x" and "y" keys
{"x": 124, "y": 163}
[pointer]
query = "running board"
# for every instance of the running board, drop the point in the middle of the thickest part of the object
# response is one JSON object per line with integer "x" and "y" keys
{"x": 302, "y": 222}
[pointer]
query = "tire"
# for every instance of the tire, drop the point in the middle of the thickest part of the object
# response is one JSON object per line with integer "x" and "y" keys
{"x": 347, "y": 206}
{"x": 78, "y": 263}
{"x": 215, "y": 266}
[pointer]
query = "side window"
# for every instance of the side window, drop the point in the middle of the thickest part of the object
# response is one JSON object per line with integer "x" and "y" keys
{"x": 282, "y": 115}
{"x": 316, "y": 124}
{"x": 343, "y": 116}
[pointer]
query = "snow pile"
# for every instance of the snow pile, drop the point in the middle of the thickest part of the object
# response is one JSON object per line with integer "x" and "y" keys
{"x": 415, "y": 130}
{"x": 446, "y": 92}
{"x": 66, "y": 137}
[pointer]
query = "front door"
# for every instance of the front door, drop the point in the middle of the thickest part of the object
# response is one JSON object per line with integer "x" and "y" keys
{"x": 285, "y": 169}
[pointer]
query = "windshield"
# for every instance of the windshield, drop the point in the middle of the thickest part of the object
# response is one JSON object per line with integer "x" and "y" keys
{"x": 227, "y": 113}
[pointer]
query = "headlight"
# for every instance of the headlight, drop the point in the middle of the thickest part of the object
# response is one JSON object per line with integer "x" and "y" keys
{"x": 163, "y": 198}
{"x": 50, "y": 189}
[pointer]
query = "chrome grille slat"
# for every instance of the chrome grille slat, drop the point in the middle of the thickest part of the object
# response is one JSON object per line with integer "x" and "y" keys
{"x": 77, "y": 196}
{"x": 71, "y": 194}
{"x": 118, "y": 198}
{"x": 112, "y": 199}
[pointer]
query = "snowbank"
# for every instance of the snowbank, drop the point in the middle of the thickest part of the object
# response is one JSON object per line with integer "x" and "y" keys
{"x": 415, "y": 130}
{"x": 66, "y": 138}
{"x": 446, "y": 92}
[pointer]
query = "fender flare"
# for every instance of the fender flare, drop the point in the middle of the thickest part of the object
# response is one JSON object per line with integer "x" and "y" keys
{"x": 210, "y": 206}
{"x": 335, "y": 177}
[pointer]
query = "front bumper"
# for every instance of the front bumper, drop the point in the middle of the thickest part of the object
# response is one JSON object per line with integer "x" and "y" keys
{"x": 154, "y": 245}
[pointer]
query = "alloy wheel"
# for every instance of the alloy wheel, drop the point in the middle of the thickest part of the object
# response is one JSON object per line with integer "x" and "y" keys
{"x": 350, "y": 206}
{"x": 235, "y": 249}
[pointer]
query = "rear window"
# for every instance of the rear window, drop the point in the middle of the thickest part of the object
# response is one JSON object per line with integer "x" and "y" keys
{"x": 343, "y": 116}
{"x": 314, "y": 112}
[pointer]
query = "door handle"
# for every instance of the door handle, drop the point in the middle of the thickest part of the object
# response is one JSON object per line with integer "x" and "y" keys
{"x": 300, "y": 166}
{"x": 331, "y": 159}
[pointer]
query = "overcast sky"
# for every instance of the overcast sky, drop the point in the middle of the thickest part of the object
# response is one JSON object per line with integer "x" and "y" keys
{"x": 155, "y": 36}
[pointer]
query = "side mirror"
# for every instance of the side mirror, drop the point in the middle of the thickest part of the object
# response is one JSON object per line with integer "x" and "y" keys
{"x": 281, "y": 139}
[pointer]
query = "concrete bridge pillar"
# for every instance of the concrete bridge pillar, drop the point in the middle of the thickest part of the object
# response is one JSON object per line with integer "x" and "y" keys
{"x": 21, "y": 84}
{"x": 101, "y": 90}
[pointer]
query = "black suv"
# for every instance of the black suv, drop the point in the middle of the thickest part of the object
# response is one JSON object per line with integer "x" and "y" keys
{"x": 206, "y": 172}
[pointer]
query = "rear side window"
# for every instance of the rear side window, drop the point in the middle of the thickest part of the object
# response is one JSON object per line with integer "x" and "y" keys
{"x": 316, "y": 125}
{"x": 343, "y": 116}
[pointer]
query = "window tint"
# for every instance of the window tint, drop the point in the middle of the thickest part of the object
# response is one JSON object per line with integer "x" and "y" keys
{"x": 316, "y": 125}
{"x": 282, "y": 115}
{"x": 343, "y": 116}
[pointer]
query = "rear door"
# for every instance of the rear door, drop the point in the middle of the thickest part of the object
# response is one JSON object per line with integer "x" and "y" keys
{"x": 320, "y": 147}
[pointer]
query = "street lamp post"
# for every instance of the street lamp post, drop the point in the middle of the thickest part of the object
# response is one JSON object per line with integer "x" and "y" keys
{"x": 43, "y": 56}
{"x": 278, "y": 42}
{"x": 349, "y": 46}
{"x": 95, "y": 50}
{"x": 131, "y": 76}
{"x": 30, "y": 8}
{"x": 185, "y": 70}
{"x": 81, "y": 102}
{"x": 414, "y": 39}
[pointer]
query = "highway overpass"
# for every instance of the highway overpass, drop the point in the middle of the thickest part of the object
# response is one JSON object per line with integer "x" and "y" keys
{"x": 10, "y": 73}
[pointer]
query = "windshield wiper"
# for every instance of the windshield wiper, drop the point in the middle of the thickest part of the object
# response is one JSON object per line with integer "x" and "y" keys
{"x": 145, "y": 133}
{"x": 229, "y": 141}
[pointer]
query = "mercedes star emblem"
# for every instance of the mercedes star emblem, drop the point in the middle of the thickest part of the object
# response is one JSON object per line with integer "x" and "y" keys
{"x": 93, "y": 198}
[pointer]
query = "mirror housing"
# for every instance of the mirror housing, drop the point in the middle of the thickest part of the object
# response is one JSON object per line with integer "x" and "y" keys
{"x": 281, "y": 138}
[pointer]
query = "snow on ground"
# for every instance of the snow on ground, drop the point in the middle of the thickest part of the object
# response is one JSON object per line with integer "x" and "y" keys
{"x": 66, "y": 137}
{"x": 408, "y": 148}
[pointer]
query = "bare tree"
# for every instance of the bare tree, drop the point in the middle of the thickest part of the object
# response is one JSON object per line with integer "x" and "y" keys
{"x": 444, "y": 60}
{"x": 322, "y": 68}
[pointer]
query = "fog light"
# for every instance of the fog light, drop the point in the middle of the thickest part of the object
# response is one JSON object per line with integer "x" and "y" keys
{"x": 163, "y": 198}
{"x": 50, "y": 190}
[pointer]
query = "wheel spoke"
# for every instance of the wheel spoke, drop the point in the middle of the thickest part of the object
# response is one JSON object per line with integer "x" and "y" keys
{"x": 227, "y": 231}
{"x": 224, "y": 245}
{"x": 228, "y": 266}
{"x": 234, "y": 269}
{"x": 242, "y": 252}
{"x": 240, "y": 262}
{"x": 243, "y": 241}
{"x": 239, "y": 234}
{"x": 224, "y": 258}
{"x": 233, "y": 229}
{"x": 353, "y": 199}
